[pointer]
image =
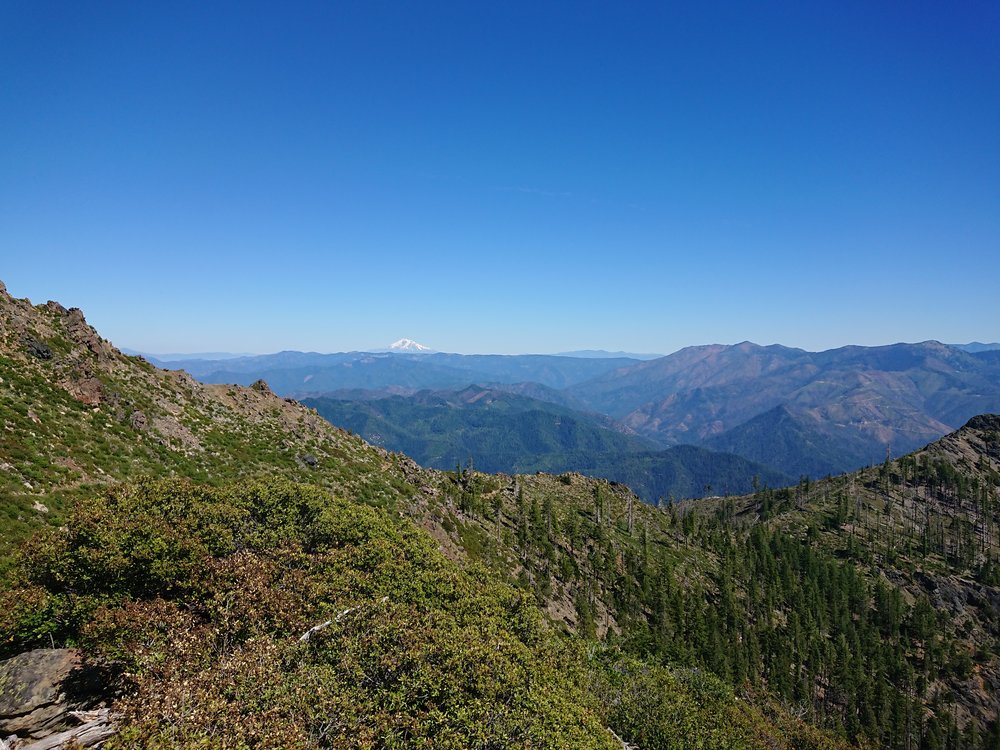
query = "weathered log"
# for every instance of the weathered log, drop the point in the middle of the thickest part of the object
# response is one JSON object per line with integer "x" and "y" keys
{"x": 316, "y": 628}
{"x": 625, "y": 745}
{"x": 91, "y": 734}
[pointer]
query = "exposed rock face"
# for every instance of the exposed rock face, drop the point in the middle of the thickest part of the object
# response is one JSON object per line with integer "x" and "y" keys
{"x": 262, "y": 387}
{"x": 39, "y": 688}
{"x": 87, "y": 390}
{"x": 984, "y": 422}
{"x": 36, "y": 348}
{"x": 46, "y": 697}
{"x": 81, "y": 333}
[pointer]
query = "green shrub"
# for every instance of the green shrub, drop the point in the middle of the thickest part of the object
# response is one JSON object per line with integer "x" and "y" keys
{"x": 200, "y": 596}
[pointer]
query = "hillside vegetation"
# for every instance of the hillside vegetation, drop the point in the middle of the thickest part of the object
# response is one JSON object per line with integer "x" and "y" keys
{"x": 200, "y": 597}
{"x": 878, "y": 635}
{"x": 494, "y": 610}
{"x": 77, "y": 415}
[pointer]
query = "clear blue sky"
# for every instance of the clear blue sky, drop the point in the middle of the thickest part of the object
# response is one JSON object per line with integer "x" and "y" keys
{"x": 504, "y": 176}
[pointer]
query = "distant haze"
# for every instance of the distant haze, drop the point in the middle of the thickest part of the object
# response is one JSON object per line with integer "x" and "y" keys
{"x": 600, "y": 353}
{"x": 178, "y": 357}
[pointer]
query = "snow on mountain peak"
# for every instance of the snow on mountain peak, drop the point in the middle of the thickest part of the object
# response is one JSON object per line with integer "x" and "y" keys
{"x": 406, "y": 345}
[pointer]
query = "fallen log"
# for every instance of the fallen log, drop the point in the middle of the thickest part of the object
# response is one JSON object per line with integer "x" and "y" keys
{"x": 316, "y": 628}
{"x": 92, "y": 733}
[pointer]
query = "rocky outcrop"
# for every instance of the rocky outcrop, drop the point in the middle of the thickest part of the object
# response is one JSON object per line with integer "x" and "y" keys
{"x": 36, "y": 348}
{"x": 41, "y": 690}
{"x": 984, "y": 422}
{"x": 138, "y": 420}
{"x": 83, "y": 334}
{"x": 261, "y": 386}
{"x": 86, "y": 389}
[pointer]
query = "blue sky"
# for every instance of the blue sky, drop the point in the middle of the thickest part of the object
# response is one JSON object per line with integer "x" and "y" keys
{"x": 504, "y": 177}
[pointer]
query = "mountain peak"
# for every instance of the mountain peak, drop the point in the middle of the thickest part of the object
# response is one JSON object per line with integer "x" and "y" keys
{"x": 408, "y": 345}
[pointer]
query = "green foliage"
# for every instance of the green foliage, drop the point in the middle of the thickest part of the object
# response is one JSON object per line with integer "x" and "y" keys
{"x": 201, "y": 594}
{"x": 659, "y": 708}
{"x": 56, "y": 449}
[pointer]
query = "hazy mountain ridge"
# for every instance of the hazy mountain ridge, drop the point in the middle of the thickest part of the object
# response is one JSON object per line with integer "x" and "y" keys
{"x": 317, "y": 373}
{"x": 504, "y": 432}
{"x": 848, "y": 405}
{"x": 855, "y": 401}
{"x": 797, "y": 441}
{"x": 184, "y": 356}
{"x": 604, "y": 354}
{"x": 975, "y": 347}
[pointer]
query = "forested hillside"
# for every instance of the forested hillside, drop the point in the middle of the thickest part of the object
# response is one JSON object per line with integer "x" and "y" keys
{"x": 876, "y": 633}
{"x": 499, "y": 431}
{"x": 481, "y": 609}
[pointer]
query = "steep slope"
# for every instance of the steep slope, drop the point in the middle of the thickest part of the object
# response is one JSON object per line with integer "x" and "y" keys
{"x": 926, "y": 528}
{"x": 684, "y": 471}
{"x": 500, "y": 431}
{"x": 990, "y": 357}
{"x": 78, "y": 414}
{"x": 621, "y": 392}
{"x": 799, "y": 441}
{"x": 793, "y": 591}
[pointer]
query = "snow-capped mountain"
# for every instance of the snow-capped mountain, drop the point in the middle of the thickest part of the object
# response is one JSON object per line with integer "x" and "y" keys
{"x": 408, "y": 346}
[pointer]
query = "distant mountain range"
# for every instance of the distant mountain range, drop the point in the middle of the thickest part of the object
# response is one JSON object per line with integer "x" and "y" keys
{"x": 311, "y": 373}
{"x": 798, "y": 412}
{"x": 801, "y": 412}
{"x": 976, "y": 346}
{"x": 177, "y": 357}
{"x": 601, "y": 354}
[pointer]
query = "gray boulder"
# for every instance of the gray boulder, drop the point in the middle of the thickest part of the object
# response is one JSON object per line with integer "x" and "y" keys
{"x": 39, "y": 690}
